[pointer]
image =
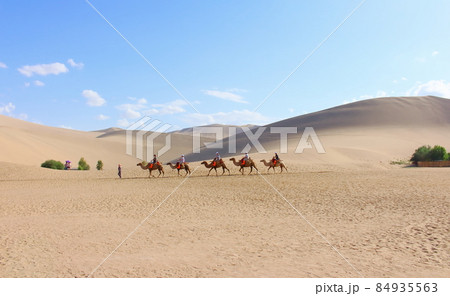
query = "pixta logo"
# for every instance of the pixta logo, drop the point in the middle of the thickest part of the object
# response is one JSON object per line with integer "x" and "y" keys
{"x": 253, "y": 136}
{"x": 148, "y": 129}
{"x": 142, "y": 134}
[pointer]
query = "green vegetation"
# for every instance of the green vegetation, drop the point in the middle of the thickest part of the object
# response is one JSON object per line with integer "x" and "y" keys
{"x": 99, "y": 165}
{"x": 400, "y": 162}
{"x": 82, "y": 165}
{"x": 421, "y": 154}
{"x": 438, "y": 153}
{"x": 426, "y": 153}
{"x": 53, "y": 164}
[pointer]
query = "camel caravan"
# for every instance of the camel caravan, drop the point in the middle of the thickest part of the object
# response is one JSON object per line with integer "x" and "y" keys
{"x": 216, "y": 163}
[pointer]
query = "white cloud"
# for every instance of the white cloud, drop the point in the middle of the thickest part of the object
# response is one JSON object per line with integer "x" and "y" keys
{"x": 38, "y": 83}
{"x": 93, "y": 98}
{"x": 439, "y": 88}
{"x": 123, "y": 122}
{"x": 349, "y": 101}
{"x": 27, "y": 84}
{"x": 73, "y": 64}
{"x": 379, "y": 94}
{"x": 102, "y": 117}
{"x": 131, "y": 114}
{"x": 225, "y": 95}
{"x": 132, "y": 111}
{"x": 173, "y": 107}
{"x": 140, "y": 108}
{"x": 43, "y": 69}
{"x": 434, "y": 53}
{"x": 23, "y": 116}
{"x": 7, "y": 109}
{"x": 3, "y": 65}
{"x": 235, "y": 117}
{"x": 401, "y": 79}
{"x": 66, "y": 127}
{"x": 364, "y": 97}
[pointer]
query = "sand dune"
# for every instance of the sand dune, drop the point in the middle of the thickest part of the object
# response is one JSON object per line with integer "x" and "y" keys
{"x": 387, "y": 221}
{"x": 29, "y": 143}
{"x": 373, "y": 130}
{"x": 204, "y": 129}
{"x": 367, "y": 131}
{"x": 381, "y": 112}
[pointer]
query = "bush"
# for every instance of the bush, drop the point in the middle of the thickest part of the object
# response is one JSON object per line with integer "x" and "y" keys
{"x": 53, "y": 164}
{"x": 99, "y": 165}
{"x": 421, "y": 154}
{"x": 82, "y": 165}
{"x": 400, "y": 162}
{"x": 438, "y": 153}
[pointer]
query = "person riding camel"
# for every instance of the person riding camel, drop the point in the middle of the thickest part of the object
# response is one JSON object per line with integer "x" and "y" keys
{"x": 154, "y": 161}
{"x": 275, "y": 159}
{"x": 245, "y": 158}
{"x": 181, "y": 161}
{"x": 217, "y": 159}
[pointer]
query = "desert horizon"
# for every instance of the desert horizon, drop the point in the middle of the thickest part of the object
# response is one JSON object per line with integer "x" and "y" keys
{"x": 348, "y": 212}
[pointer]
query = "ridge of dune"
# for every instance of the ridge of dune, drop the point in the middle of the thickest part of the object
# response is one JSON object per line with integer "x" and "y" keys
{"x": 378, "y": 112}
{"x": 371, "y": 130}
{"x": 31, "y": 144}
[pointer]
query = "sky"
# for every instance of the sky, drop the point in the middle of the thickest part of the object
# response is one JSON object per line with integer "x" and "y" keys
{"x": 189, "y": 63}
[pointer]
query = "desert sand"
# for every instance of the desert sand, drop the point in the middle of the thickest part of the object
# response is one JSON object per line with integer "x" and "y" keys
{"x": 345, "y": 213}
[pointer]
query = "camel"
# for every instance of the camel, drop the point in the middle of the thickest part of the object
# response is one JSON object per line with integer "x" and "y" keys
{"x": 272, "y": 166}
{"x": 249, "y": 163}
{"x": 219, "y": 164}
{"x": 184, "y": 166}
{"x": 151, "y": 168}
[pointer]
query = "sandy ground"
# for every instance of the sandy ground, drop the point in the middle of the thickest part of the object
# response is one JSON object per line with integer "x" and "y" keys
{"x": 387, "y": 221}
{"x": 355, "y": 214}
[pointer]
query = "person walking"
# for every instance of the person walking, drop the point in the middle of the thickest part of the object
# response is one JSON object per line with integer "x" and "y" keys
{"x": 119, "y": 171}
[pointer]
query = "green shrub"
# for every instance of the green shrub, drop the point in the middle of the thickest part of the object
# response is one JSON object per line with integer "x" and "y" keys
{"x": 400, "y": 162}
{"x": 99, "y": 165}
{"x": 82, "y": 165}
{"x": 421, "y": 154}
{"x": 438, "y": 153}
{"x": 53, "y": 164}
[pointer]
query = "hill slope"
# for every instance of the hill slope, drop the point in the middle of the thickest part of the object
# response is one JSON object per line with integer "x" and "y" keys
{"x": 379, "y": 129}
{"x": 373, "y": 130}
{"x": 381, "y": 112}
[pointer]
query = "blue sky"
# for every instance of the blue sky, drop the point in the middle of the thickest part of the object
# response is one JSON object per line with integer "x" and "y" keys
{"x": 62, "y": 65}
